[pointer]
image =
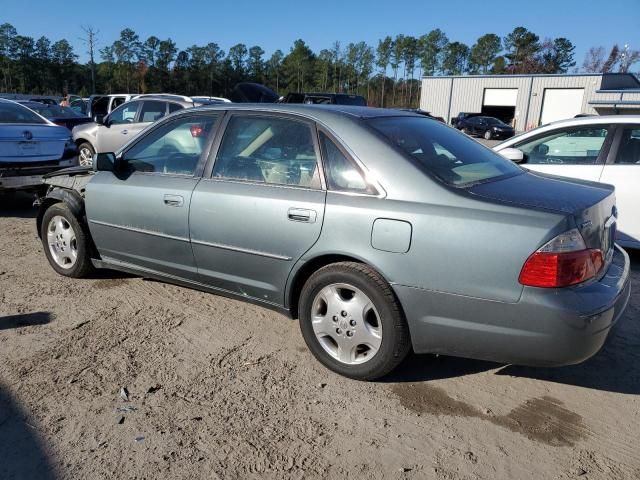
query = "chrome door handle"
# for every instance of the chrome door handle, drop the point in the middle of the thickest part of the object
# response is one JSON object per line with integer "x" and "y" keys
{"x": 173, "y": 200}
{"x": 301, "y": 215}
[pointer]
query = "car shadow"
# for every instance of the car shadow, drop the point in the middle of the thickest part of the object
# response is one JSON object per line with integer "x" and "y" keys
{"x": 24, "y": 320}
{"x": 18, "y": 205}
{"x": 23, "y": 454}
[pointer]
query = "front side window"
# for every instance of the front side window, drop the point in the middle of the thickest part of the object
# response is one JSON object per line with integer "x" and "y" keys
{"x": 572, "y": 146}
{"x": 629, "y": 150}
{"x": 14, "y": 113}
{"x": 442, "y": 151}
{"x": 342, "y": 173}
{"x": 124, "y": 114}
{"x": 174, "y": 148}
{"x": 269, "y": 150}
{"x": 152, "y": 111}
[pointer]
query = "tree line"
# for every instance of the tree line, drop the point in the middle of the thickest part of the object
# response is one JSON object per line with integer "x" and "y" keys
{"x": 387, "y": 74}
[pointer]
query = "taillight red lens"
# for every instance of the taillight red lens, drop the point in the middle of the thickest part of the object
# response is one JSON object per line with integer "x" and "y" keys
{"x": 561, "y": 269}
{"x": 196, "y": 131}
{"x": 60, "y": 123}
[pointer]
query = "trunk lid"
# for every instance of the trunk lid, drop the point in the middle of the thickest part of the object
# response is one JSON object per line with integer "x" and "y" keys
{"x": 31, "y": 143}
{"x": 591, "y": 204}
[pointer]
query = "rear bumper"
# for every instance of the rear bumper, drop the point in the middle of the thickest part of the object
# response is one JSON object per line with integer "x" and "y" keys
{"x": 546, "y": 327}
{"x": 30, "y": 177}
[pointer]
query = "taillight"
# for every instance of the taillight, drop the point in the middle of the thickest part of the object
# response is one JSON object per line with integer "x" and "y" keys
{"x": 60, "y": 123}
{"x": 196, "y": 131}
{"x": 562, "y": 262}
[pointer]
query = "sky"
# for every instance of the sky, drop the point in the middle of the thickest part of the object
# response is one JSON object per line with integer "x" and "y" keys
{"x": 276, "y": 24}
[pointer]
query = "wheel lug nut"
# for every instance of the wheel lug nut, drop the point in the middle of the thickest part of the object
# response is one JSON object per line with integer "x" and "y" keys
{"x": 338, "y": 331}
{"x": 349, "y": 333}
{"x": 352, "y": 322}
{"x": 335, "y": 318}
{"x": 343, "y": 313}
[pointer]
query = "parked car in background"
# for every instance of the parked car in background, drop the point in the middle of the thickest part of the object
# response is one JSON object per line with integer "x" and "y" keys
{"x": 461, "y": 116}
{"x": 325, "y": 99}
{"x": 63, "y": 116}
{"x": 380, "y": 230}
{"x": 30, "y": 146}
{"x": 125, "y": 122}
{"x": 486, "y": 127}
{"x": 595, "y": 148}
{"x": 99, "y": 106}
{"x": 80, "y": 105}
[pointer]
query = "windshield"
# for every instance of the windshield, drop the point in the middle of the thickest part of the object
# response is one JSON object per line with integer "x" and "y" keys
{"x": 494, "y": 121}
{"x": 451, "y": 156}
{"x": 54, "y": 111}
{"x": 14, "y": 113}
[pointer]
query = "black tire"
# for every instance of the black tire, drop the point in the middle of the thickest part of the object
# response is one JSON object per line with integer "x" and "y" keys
{"x": 82, "y": 266}
{"x": 86, "y": 146}
{"x": 465, "y": 130}
{"x": 395, "y": 344}
{"x": 487, "y": 135}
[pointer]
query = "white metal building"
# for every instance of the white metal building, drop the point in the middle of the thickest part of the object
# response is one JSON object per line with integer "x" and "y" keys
{"x": 527, "y": 101}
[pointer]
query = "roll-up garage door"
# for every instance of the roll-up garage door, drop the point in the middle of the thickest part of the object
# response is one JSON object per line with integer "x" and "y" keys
{"x": 561, "y": 103}
{"x": 500, "y": 97}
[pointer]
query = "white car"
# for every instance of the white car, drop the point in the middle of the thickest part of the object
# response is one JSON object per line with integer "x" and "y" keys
{"x": 602, "y": 149}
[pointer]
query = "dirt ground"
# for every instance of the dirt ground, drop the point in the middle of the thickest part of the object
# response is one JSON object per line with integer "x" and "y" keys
{"x": 221, "y": 389}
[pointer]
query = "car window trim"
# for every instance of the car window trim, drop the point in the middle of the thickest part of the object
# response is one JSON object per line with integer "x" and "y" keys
{"x": 198, "y": 171}
{"x": 213, "y": 154}
{"x": 365, "y": 172}
{"x": 604, "y": 150}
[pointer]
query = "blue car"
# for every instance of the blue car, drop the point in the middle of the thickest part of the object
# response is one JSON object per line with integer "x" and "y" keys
{"x": 31, "y": 146}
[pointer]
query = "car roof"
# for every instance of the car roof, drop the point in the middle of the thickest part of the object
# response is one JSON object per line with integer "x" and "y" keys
{"x": 595, "y": 119}
{"x": 319, "y": 112}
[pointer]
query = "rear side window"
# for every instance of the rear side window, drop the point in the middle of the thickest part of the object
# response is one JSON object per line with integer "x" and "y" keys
{"x": 629, "y": 151}
{"x": 442, "y": 151}
{"x": 342, "y": 174}
{"x": 174, "y": 107}
{"x": 268, "y": 150}
{"x": 14, "y": 113}
{"x": 152, "y": 111}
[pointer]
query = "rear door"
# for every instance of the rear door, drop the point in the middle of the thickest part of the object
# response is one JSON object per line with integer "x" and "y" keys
{"x": 261, "y": 209}
{"x": 151, "y": 111}
{"x": 577, "y": 152}
{"x": 140, "y": 216}
{"x": 623, "y": 171}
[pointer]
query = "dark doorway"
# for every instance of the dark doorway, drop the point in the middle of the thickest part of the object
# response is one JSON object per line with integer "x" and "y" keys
{"x": 506, "y": 114}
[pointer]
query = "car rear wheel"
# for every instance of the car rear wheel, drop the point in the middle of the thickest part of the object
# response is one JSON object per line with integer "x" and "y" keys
{"x": 85, "y": 154}
{"x": 487, "y": 135}
{"x": 352, "y": 322}
{"x": 65, "y": 242}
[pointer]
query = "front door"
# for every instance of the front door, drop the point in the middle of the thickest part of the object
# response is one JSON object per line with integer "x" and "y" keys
{"x": 623, "y": 172}
{"x": 140, "y": 216}
{"x": 577, "y": 152}
{"x": 263, "y": 207}
{"x": 115, "y": 131}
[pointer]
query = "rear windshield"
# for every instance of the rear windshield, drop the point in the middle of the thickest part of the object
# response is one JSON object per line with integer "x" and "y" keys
{"x": 444, "y": 152}
{"x": 14, "y": 113}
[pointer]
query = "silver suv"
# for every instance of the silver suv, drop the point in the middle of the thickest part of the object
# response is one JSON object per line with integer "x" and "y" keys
{"x": 125, "y": 122}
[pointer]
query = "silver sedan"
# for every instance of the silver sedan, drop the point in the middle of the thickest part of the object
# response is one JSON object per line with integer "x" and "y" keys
{"x": 380, "y": 230}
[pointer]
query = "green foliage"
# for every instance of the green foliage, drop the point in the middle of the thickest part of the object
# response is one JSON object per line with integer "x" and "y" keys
{"x": 385, "y": 75}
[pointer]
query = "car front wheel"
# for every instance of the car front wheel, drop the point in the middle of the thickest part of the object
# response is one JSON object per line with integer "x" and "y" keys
{"x": 85, "y": 154}
{"x": 352, "y": 322}
{"x": 65, "y": 242}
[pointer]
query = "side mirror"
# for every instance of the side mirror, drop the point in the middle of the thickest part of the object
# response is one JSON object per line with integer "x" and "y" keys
{"x": 512, "y": 154}
{"x": 105, "y": 162}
